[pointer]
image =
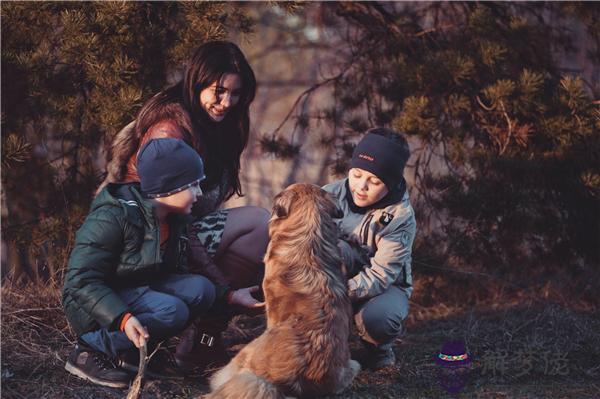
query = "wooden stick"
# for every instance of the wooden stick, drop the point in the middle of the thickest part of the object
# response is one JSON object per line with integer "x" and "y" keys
{"x": 136, "y": 388}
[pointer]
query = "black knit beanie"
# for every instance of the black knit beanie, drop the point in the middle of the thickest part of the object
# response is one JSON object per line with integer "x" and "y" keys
{"x": 382, "y": 157}
{"x": 167, "y": 166}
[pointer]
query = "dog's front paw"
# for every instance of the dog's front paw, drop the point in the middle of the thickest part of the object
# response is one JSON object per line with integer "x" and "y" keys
{"x": 354, "y": 366}
{"x": 347, "y": 374}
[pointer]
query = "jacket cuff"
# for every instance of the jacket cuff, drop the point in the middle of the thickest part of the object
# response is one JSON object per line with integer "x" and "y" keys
{"x": 222, "y": 292}
{"x": 116, "y": 323}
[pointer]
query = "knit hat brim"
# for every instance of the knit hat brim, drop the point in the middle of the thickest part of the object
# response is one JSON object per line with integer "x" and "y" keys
{"x": 382, "y": 157}
{"x": 167, "y": 166}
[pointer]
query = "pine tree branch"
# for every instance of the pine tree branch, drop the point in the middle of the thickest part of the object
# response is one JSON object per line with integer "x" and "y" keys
{"x": 510, "y": 127}
{"x": 487, "y": 108}
{"x": 138, "y": 383}
{"x": 434, "y": 29}
{"x": 307, "y": 92}
{"x": 369, "y": 14}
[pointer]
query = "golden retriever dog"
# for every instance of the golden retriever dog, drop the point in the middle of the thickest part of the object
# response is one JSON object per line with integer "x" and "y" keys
{"x": 304, "y": 350}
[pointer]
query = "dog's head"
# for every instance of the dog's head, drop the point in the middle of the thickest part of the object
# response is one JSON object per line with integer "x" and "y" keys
{"x": 304, "y": 238}
{"x": 302, "y": 198}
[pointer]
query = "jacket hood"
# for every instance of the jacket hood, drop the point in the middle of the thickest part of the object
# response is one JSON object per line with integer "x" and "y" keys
{"x": 127, "y": 196}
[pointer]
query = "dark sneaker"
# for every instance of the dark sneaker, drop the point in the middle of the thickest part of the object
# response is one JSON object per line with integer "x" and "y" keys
{"x": 96, "y": 367}
{"x": 378, "y": 357}
{"x": 381, "y": 359}
{"x": 162, "y": 364}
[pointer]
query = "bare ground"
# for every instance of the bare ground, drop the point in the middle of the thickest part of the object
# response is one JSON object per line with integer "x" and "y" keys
{"x": 523, "y": 345}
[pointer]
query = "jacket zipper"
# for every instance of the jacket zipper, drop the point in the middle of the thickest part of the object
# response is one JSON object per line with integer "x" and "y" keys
{"x": 364, "y": 229}
{"x": 157, "y": 247}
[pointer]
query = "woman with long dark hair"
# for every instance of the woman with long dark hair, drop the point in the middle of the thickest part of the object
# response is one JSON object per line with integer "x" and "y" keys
{"x": 208, "y": 109}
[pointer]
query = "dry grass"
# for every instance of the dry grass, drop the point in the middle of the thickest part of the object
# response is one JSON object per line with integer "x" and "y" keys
{"x": 36, "y": 341}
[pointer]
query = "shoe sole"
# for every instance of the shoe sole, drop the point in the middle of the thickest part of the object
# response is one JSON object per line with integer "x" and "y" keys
{"x": 75, "y": 371}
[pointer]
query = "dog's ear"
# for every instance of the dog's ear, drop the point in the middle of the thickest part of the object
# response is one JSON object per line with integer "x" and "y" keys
{"x": 332, "y": 207}
{"x": 281, "y": 205}
{"x": 337, "y": 212}
{"x": 279, "y": 211}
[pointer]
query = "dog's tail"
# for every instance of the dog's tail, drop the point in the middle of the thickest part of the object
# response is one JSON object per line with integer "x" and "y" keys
{"x": 246, "y": 385}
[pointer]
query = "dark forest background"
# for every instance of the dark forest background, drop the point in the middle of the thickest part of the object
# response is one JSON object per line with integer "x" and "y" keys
{"x": 504, "y": 132}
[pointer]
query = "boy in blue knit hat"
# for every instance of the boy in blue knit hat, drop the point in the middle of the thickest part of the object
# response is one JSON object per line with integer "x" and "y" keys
{"x": 125, "y": 284}
{"x": 377, "y": 233}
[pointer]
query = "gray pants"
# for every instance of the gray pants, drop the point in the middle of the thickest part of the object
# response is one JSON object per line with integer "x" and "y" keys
{"x": 163, "y": 308}
{"x": 378, "y": 319}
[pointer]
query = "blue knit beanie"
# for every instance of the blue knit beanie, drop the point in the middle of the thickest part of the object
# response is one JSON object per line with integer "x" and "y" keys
{"x": 167, "y": 166}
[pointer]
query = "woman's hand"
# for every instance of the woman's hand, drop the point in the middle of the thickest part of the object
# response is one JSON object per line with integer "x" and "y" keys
{"x": 243, "y": 297}
{"x": 136, "y": 332}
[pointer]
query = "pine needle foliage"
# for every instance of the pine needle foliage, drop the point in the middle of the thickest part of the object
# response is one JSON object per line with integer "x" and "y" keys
{"x": 506, "y": 140}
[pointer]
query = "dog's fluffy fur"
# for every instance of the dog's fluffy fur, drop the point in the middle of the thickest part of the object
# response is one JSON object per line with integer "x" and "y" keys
{"x": 304, "y": 350}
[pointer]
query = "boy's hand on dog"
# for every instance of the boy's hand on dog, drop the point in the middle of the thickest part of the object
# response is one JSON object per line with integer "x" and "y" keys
{"x": 136, "y": 332}
{"x": 243, "y": 297}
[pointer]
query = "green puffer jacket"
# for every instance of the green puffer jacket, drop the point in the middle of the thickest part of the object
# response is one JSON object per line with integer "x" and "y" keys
{"x": 117, "y": 246}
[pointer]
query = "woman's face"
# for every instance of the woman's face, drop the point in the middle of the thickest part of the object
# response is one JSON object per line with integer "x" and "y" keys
{"x": 218, "y": 98}
{"x": 366, "y": 188}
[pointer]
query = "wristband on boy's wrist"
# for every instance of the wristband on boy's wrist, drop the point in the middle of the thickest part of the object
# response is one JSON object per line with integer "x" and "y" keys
{"x": 222, "y": 292}
{"x": 124, "y": 320}
{"x": 229, "y": 296}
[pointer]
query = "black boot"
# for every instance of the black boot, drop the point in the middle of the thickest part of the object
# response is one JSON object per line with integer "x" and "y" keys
{"x": 200, "y": 346}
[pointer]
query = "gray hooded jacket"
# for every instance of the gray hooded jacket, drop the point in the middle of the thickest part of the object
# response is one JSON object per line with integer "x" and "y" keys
{"x": 381, "y": 239}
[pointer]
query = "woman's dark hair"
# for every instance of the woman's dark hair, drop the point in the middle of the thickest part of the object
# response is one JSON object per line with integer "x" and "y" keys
{"x": 220, "y": 143}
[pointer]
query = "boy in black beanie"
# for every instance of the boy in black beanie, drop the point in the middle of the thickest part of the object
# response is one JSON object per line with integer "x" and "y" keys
{"x": 125, "y": 284}
{"x": 377, "y": 233}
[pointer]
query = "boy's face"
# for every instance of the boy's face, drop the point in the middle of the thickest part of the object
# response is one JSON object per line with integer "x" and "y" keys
{"x": 366, "y": 188}
{"x": 182, "y": 201}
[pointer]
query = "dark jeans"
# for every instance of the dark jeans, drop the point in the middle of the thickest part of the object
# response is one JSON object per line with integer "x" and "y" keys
{"x": 163, "y": 308}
